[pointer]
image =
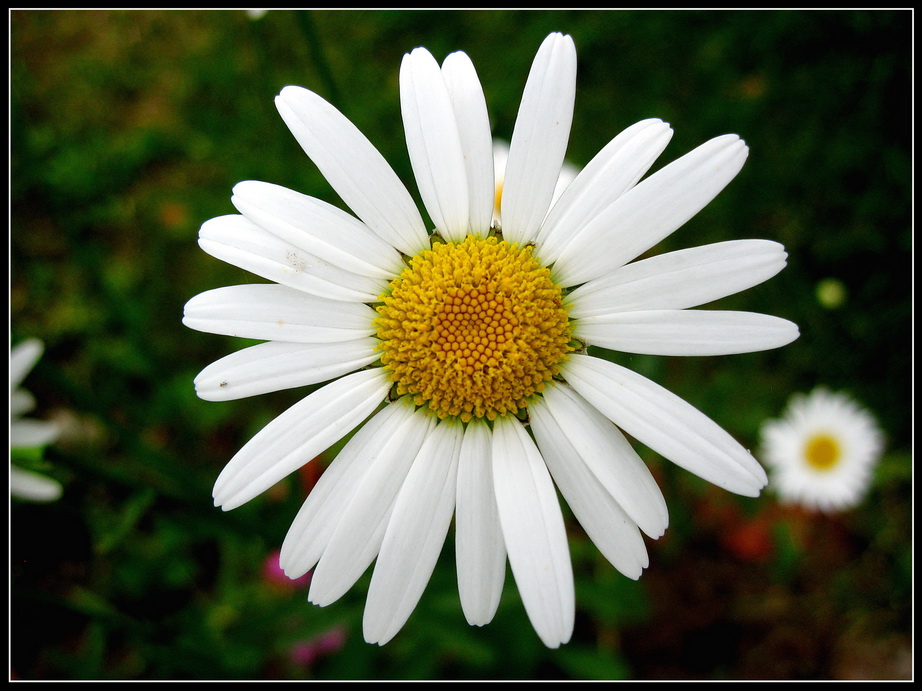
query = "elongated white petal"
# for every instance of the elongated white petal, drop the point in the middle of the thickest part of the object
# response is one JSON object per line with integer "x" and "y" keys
{"x": 539, "y": 139}
{"x": 479, "y": 549}
{"x": 357, "y": 538}
{"x": 317, "y": 227}
{"x": 609, "y": 457}
{"x": 433, "y": 143}
{"x": 686, "y": 332}
{"x": 665, "y": 423}
{"x": 470, "y": 108}
{"x": 608, "y": 526}
{"x": 311, "y": 529}
{"x": 354, "y": 168}
{"x": 34, "y": 487}
{"x": 28, "y": 433}
{"x": 240, "y": 242}
{"x": 275, "y": 366}
{"x": 277, "y": 313}
{"x": 300, "y": 433}
{"x": 681, "y": 279}
{"x": 23, "y": 357}
{"x": 415, "y": 535}
{"x": 651, "y": 210}
{"x": 613, "y": 171}
{"x": 534, "y": 533}
{"x": 500, "y": 156}
{"x": 21, "y": 402}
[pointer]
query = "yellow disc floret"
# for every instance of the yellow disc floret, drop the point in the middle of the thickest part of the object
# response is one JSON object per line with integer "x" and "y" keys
{"x": 472, "y": 329}
{"x": 823, "y": 452}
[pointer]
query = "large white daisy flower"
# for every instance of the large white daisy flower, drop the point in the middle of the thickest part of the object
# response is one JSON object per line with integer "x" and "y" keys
{"x": 459, "y": 355}
{"x": 822, "y": 451}
{"x": 26, "y": 433}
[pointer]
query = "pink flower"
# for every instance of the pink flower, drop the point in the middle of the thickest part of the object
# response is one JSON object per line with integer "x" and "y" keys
{"x": 306, "y": 652}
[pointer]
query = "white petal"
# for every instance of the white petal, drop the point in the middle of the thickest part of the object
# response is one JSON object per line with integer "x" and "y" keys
{"x": 500, "y": 156}
{"x": 433, "y": 143}
{"x": 354, "y": 168}
{"x": 357, "y": 538}
{"x": 317, "y": 227}
{"x": 21, "y": 402}
{"x": 32, "y": 486}
{"x": 665, "y": 423}
{"x": 613, "y": 171}
{"x": 298, "y": 435}
{"x": 23, "y": 357}
{"x": 27, "y": 434}
{"x": 651, "y": 210}
{"x": 608, "y": 526}
{"x": 681, "y": 279}
{"x": 609, "y": 457}
{"x": 534, "y": 532}
{"x": 415, "y": 535}
{"x": 686, "y": 332}
{"x": 277, "y": 313}
{"x": 480, "y": 553}
{"x": 275, "y": 366}
{"x": 474, "y": 129}
{"x": 240, "y": 242}
{"x": 539, "y": 139}
{"x": 311, "y": 529}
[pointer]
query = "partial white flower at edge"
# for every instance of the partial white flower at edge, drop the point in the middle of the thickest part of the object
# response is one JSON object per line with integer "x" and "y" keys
{"x": 463, "y": 369}
{"x": 27, "y": 433}
{"x": 822, "y": 451}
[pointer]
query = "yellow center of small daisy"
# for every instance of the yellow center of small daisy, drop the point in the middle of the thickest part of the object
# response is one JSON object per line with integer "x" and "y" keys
{"x": 823, "y": 452}
{"x": 472, "y": 329}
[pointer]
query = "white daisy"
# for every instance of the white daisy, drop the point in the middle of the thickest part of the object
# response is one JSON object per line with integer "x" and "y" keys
{"x": 26, "y": 433}
{"x": 459, "y": 356}
{"x": 822, "y": 451}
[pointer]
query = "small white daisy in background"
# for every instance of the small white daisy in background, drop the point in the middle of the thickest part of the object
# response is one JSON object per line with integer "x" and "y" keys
{"x": 459, "y": 356}
{"x": 822, "y": 452}
{"x": 26, "y": 433}
{"x": 568, "y": 173}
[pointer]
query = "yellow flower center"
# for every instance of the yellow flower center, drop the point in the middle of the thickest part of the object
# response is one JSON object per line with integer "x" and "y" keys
{"x": 472, "y": 329}
{"x": 823, "y": 452}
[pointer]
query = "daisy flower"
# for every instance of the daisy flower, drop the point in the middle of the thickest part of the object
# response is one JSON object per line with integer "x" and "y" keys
{"x": 822, "y": 451}
{"x": 26, "y": 433}
{"x": 459, "y": 355}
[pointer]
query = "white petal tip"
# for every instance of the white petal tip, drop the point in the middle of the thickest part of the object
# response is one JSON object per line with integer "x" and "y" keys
{"x": 289, "y": 90}
{"x": 226, "y": 503}
{"x": 377, "y": 640}
{"x": 751, "y": 489}
{"x": 654, "y": 534}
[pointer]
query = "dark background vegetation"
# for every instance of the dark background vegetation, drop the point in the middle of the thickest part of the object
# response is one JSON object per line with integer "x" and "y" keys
{"x": 128, "y": 130}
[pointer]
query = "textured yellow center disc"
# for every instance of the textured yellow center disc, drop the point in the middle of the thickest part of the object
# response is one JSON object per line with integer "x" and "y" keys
{"x": 823, "y": 452}
{"x": 473, "y": 329}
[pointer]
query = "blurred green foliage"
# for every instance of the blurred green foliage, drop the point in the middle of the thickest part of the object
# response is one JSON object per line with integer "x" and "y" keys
{"x": 129, "y": 129}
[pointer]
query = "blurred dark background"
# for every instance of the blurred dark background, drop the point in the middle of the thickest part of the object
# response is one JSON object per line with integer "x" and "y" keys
{"x": 129, "y": 129}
